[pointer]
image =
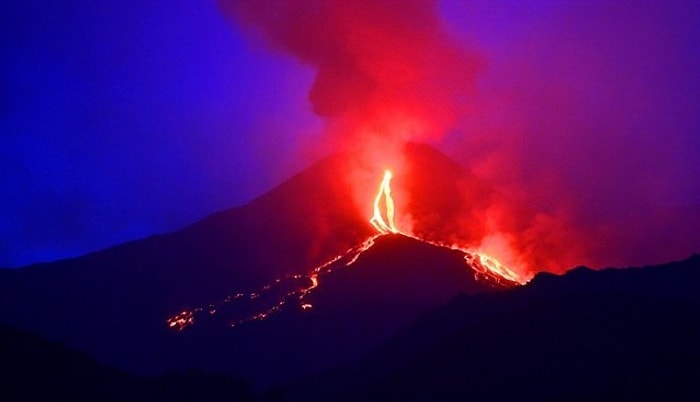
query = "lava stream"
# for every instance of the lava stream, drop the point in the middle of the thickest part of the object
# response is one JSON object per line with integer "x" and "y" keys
{"x": 377, "y": 220}
{"x": 484, "y": 266}
{"x": 187, "y": 318}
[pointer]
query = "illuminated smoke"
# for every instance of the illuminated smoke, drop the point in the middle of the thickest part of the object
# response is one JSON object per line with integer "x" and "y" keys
{"x": 482, "y": 263}
{"x": 586, "y": 133}
{"x": 484, "y": 266}
{"x": 382, "y": 67}
{"x": 386, "y": 74}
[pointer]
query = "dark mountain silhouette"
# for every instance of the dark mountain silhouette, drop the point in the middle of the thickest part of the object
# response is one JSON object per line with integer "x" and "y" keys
{"x": 113, "y": 304}
{"x": 615, "y": 334}
{"x": 354, "y": 309}
{"x": 371, "y": 330}
{"x": 32, "y": 369}
{"x": 611, "y": 335}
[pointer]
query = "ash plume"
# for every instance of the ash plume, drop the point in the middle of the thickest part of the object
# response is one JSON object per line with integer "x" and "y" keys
{"x": 381, "y": 66}
{"x": 579, "y": 136}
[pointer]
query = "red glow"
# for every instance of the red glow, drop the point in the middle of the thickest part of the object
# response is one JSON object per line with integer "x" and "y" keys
{"x": 483, "y": 263}
{"x": 484, "y": 266}
{"x": 386, "y": 75}
{"x": 563, "y": 149}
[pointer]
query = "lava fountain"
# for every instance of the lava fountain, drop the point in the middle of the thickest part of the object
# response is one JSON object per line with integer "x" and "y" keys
{"x": 384, "y": 225}
{"x": 484, "y": 265}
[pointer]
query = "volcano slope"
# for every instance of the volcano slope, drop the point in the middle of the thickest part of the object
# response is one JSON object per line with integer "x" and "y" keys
{"x": 608, "y": 335}
{"x": 113, "y": 304}
{"x": 354, "y": 308}
{"x": 32, "y": 369}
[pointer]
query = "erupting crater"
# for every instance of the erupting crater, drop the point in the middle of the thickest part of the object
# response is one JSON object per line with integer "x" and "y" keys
{"x": 293, "y": 289}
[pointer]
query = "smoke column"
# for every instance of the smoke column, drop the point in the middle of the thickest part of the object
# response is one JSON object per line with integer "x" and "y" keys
{"x": 381, "y": 66}
{"x": 571, "y": 169}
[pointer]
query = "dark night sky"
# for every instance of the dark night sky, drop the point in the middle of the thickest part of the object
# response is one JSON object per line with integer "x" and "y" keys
{"x": 123, "y": 119}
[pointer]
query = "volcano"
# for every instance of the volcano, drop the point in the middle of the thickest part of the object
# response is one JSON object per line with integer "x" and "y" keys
{"x": 247, "y": 279}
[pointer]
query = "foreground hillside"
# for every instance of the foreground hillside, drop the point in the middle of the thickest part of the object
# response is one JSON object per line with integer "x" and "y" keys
{"x": 616, "y": 334}
{"x": 611, "y": 335}
{"x": 114, "y": 304}
{"x": 37, "y": 370}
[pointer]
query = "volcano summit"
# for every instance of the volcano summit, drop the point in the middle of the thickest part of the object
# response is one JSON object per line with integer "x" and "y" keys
{"x": 298, "y": 290}
{"x": 122, "y": 304}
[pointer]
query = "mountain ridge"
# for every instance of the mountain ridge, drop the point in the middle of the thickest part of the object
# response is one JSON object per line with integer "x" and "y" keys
{"x": 575, "y": 336}
{"x": 494, "y": 332}
{"x": 114, "y": 303}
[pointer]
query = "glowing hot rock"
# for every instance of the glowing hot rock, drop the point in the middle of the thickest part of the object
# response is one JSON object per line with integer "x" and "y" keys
{"x": 377, "y": 220}
{"x": 484, "y": 266}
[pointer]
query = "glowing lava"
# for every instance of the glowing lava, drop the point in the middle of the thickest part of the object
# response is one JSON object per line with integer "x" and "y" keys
{"x": 377, "y": 220}
{"x": 288, "y": 297}
{"x": 181, "y": 321}
{"x": 484, "y": 267}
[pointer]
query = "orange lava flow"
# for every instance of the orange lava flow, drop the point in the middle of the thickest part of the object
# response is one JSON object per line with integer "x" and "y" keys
{"x": 181, "y": 321}
{"x": 188, "y": 318}
{"x": 483, "y": 264}
{"x": 377, "y": 220}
